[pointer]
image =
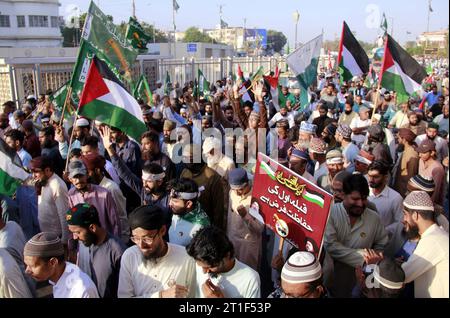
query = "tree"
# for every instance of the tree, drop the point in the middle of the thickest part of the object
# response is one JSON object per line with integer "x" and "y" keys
{"x": 276, "y": 40}
{"x": 194, "y": 35}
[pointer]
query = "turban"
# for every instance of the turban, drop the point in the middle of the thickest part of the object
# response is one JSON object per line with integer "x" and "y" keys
{"x": 147, "y": 217}
{"x": 334, "y": 157}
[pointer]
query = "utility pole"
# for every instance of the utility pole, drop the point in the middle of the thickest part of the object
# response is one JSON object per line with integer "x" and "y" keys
{"x": 244, "y": 42}
{"x": 296, "y": 17}
{"x": 134, "y": 9}
{"x": 429, "y": 12}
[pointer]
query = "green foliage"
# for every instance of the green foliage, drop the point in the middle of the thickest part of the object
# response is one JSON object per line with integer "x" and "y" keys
{"x": 276, "y": 40}
{"x": 194, "y": 35}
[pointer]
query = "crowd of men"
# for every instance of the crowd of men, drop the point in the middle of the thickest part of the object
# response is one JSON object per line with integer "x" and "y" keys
{"x": 106, "y": 216}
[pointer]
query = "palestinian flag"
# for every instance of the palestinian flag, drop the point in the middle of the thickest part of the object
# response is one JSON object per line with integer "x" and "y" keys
{"x": 274, "y": 87}
{"x": 400, "y": 72}
{"x": 258, "y": 75}
{"x": 11, "y": 171}
{"x": 352, "y": 59}
{"x": 247, "y": 94}
{"x": 313, "y": 197}
{"x": 105, "y": 99}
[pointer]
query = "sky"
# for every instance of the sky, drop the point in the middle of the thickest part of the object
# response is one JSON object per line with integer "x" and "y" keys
{"x": 362, "y": 16}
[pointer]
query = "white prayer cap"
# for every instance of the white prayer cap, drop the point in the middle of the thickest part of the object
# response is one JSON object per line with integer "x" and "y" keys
{"x": 98, "y": 123}
{"x": 301, "y": 267}
{"x": 82, "y": 122}
{"x": 31, "y": 97}
{"x": 211, "y": 143}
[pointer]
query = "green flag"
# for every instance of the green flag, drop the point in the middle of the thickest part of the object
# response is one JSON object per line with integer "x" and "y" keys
{"x": 136, "y": 36}
{"x": 58, "y": 99}
{"x": 101, "y": 38}
{"x": 384, "y": 25}
{"x": 258, "y": 75}
{"x": 167, "y": 84}
{"x": 203, "y": 84}
{"x": 142, "y": 91}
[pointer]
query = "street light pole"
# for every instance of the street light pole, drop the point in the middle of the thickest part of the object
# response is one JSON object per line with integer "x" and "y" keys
{"x": 296, "y": 17}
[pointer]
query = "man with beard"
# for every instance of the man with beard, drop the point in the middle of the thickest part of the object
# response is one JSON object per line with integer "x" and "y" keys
{"x": 337, "y": 186}
{"x": 359, "y": 126}
{"x": 154, "y": 268}
{"x": 347, "y": 116}
{"x": 436, "y": 108}
{"x": 430, "y": 168}
{"x": 99, "y": 255}
{"x": 53, "y": 200}
{"x": 151, "y": 153}
{"x": 408, "y": 162}
{"x": 432, "y": 135}
{"x": 428, "y": 265}
{"x": 416, "y": 124}
{"x": 130, "y": 152}
{"x": 328, "y": 135}
{"x": 14, "y": 139}
{"x": 244, "y": 230}
{"x": 212, "y": 198}
{"x": 401, "y": 117}
{"x": 31, "y": 142}
{"x": 297, "y": 163}
{"x": 218, "y": 273}
{"x": 80, "y": 133}
{"x": 188, "y": 216}
{"x": 283, "y": 114}
{"x": 283, "y": 142}
{"x": 169, "y": 143}
{"x": 330, "y": 98}
{"x": 442, "y": 120}
{"x": 351, "y": 233}
{"x": 317, "y": 153}
{"x": 85, "y": 192}
{"x": 335, "y": 164}
{"x": 306, "y": 133}
{"x": 323, "y": 120}
{"x": 95, "y": 165}
{"x": 50, "y": 148}
{"x": 151, "y": 187}
{"x": 379, "y": 149}
{"x": 349, "y": 150}
{"x": 90, "y": 146}
{"x": 216, "y": 160}
{"x": 387, "y": 200}
{"x": 4, "y": 124}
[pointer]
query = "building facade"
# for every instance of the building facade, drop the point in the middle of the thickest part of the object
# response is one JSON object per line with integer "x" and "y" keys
{"x": 30, "y": 23}
{"x": 436, "y": 39}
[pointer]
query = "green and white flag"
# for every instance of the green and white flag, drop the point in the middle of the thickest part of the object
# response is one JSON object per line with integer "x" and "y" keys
{"x": 142, "y": 91}
{"x": 304, "y": 61}
{"x": 11, "y": 172}
{"x": 101, "y": 38}
{"x": 167, "y": 83}
{"x": 58, "y": 99}
{"x": 136, "y": 36}
{"x": 203, "y": 84}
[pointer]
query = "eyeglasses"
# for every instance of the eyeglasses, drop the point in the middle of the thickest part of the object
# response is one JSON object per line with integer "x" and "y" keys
{"x": 145, "y": 240}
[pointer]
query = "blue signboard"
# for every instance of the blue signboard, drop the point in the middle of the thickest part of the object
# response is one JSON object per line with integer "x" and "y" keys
{"x": 192, "y": 47}
{"x": 256, "y": 38}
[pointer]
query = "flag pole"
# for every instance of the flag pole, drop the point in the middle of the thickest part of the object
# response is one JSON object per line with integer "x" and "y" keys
{"x": 69, "y": 93}
{"x": 375, "y": 106}
{"x": 174, "y": 35}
